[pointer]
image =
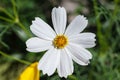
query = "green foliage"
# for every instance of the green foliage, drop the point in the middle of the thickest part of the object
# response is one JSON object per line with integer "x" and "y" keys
{"x": 104, "y": 20}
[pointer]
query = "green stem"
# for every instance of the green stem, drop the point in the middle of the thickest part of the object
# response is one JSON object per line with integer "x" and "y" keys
{"x": 14, "y": 8}
{"x": 97, "y": 21}
{"x": 24, "y": 29}
{"x": 4, "y": 44}
{"x": 18, "y": 23}
{"x": 103, "y": 45}
{"x": 10, "y": 57}
{"x": 113, "y": 15}
{"x": 6, "y": 19}
{"x": 72, "y": 77}
{"x": 17, "y": 19}
{"x": 7, "y": 13}
{"x": 3, "y": 32}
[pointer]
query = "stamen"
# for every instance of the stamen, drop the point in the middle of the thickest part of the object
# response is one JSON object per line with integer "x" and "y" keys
{"x": 60, "y": 41}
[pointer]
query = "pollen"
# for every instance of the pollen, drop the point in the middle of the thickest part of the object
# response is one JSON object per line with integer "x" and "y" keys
{"x": 60, "y": 41}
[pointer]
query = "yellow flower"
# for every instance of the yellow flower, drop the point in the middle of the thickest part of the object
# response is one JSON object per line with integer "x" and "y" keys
{"x": 30, "y": 73}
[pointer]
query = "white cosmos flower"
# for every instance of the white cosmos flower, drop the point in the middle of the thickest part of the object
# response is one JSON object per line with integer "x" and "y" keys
{"x": 64, "y": 45}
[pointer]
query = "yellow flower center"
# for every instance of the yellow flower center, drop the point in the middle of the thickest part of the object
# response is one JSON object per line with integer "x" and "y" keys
{"x": 60, "y": 41}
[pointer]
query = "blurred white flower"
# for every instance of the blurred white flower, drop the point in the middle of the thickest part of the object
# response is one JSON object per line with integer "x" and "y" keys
{"x": 63, "y": 45}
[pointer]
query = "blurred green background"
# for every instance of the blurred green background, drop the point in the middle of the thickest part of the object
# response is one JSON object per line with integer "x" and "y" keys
{"x": 104, "y": 20}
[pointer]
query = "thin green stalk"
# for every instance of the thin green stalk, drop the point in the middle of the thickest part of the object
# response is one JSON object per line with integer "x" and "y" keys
{"x": 1, "y": 34}
{"x": 101, "y": 40}
{"x": 18, "y": 23}
{"x": 24, "y": 29}
{"x": 6, "y": 12}
{"x": 4, "y": 44}
{"x": 11, "y": 57}
{"x": 6, "y": 19}
{"x": 14, "y": 8}
{"x": 98, "y": 22}
{"x": 113, "y": 17}
{"x": 5, "y": 30}
{"x": 72, "y": 77}
{"x": 17, "y": 19}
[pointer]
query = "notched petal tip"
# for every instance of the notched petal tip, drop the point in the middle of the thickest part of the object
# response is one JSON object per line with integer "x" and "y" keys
{"x": 83, "y": 18}
{"x": 27, "y": 49}
{"x": 58, "y": 8}
{"x": 94, "y": 38}
{"x": 31, "y": 40}
{"x": 93, "y": 34}
{"x": 36, "y": 17}
{"x": 27, "y": 42}
{"x": 59, "y": 19}
{"x": 44, "y": 72}
{"x": 86, "y": 63}
{"x": 78, "y": 24}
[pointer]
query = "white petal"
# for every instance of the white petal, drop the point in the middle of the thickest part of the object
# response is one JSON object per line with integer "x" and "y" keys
{"x": 77, "y": 25}
{"x": 86, "y": 40}
{"x": 49, "y": 61}
{"x": 65, "y": 66}
{"x": 42, "y": 29}
{"x": 37, "y": 45}
{"x": 59, "y": 19}
{"x": 79, "y": 54}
